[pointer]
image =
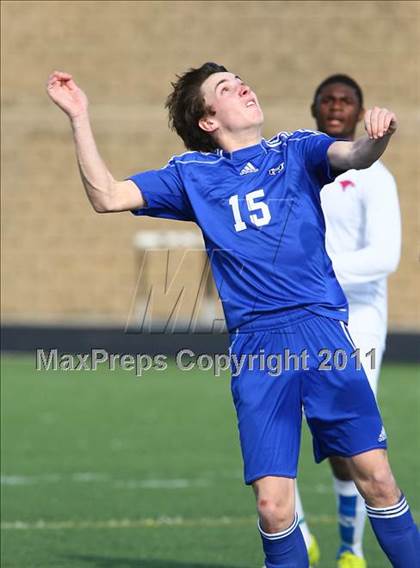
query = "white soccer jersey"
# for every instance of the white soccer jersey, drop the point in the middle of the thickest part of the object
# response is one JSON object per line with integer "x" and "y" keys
{"x": 363, "y": 240}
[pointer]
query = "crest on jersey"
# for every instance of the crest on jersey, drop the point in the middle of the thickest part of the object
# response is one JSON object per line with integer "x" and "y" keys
{"x": 278, "y": 170}
{"x": 345, "y": 183}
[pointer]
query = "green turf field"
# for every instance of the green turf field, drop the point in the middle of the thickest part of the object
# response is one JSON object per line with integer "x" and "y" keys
{"x": 101, "y": 469}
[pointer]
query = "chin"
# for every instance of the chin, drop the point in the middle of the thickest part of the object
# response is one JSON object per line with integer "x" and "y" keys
{"x": 335, "y": 133}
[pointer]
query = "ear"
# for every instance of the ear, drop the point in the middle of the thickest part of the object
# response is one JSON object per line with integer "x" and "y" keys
{"x": 361, "y": 114}
{"x": 208, "y": 124}
{"x": 313, "y": 110}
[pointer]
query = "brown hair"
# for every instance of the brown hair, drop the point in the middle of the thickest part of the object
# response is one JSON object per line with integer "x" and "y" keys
{"x": 186, "y": 105}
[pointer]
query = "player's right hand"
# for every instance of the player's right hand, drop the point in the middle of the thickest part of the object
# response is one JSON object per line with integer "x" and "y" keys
{"x": 64, "y": 92}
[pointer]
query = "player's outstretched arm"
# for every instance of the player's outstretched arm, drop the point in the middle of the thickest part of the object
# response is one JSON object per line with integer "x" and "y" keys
{"x": 380, "y": 125}
{"x": 104, "y": 192}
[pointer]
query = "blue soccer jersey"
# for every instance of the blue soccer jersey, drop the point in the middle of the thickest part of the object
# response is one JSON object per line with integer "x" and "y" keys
{"x": 260, "y": 214}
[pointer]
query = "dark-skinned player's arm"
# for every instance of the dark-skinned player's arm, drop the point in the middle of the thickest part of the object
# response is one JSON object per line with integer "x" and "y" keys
{"x": 380, "y": 125}
{"x": 105, "y": 193}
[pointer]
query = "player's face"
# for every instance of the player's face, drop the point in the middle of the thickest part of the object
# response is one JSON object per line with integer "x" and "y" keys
{"x": 235, "y": 105}
{"x": 337, "y": 111}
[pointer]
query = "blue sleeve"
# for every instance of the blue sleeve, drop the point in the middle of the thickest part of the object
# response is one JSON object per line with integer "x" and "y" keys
{"x": 164, "y": 194}
{"x": 312, "y": 147}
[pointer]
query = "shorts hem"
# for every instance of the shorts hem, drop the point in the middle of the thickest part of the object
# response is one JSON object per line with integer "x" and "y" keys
{"x": 250, "y": 480}
{"x": 352, "y": 454}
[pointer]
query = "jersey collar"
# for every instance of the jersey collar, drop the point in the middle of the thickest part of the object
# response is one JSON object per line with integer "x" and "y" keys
{"x": 245, "y": 153}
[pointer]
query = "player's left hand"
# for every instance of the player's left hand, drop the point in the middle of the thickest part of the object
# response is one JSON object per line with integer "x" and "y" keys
{"x": 380, "y": 122}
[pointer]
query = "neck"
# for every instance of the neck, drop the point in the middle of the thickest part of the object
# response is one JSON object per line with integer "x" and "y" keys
{"x": 349, "y": 137}
{"x": 230, "y": 141}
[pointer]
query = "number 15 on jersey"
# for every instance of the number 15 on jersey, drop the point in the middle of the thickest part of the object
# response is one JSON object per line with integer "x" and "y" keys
{"x": 259, "y": 211}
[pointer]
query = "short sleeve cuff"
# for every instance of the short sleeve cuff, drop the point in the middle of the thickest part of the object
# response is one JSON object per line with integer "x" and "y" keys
{"x": 325, "y": 172}
{"x": 145, "y": 181}
{"x": 163, "y": 198}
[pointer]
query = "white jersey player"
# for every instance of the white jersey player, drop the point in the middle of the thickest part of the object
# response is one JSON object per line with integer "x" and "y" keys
{"x": 363, "y": 240}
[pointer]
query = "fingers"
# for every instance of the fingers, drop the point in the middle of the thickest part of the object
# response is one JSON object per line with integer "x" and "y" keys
{"x": 379, "y": 122}
{"x": 390, "y": 123}
{"x": 58, "y": 78}
{"x": 71, "y": 85}
{"x": 62, "y": 75}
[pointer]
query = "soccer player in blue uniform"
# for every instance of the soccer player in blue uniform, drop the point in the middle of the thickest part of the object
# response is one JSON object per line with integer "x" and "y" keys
{"x": 257, "y": 203}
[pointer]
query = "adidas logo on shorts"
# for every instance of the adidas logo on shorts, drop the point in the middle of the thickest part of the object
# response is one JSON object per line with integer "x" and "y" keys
{"x": 382, "y": 435}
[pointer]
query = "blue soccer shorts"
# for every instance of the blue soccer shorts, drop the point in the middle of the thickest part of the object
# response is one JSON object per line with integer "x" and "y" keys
{"x": 305, "y": 361}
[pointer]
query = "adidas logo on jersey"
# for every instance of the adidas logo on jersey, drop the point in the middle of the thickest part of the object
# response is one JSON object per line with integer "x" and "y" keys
{"x": 382, "y": 435}
{"x": 248, "y": 169}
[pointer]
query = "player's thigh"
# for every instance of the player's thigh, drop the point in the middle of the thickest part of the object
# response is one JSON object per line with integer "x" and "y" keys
{"x": 340, "y": 407}
{"x": 268, "y": 407}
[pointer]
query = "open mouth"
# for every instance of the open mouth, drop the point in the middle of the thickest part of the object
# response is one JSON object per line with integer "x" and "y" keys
{"x": 334, "y": 121}
{"x": 250, "y": 104}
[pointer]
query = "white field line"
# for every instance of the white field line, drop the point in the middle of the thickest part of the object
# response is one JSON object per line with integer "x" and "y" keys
{"x": 90, "y": 477}
{"x": 48, "y": 478}
{"x": 148, "y": 523}
{"x": 152, "y": 483}
{"x": 208, "y": 480}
